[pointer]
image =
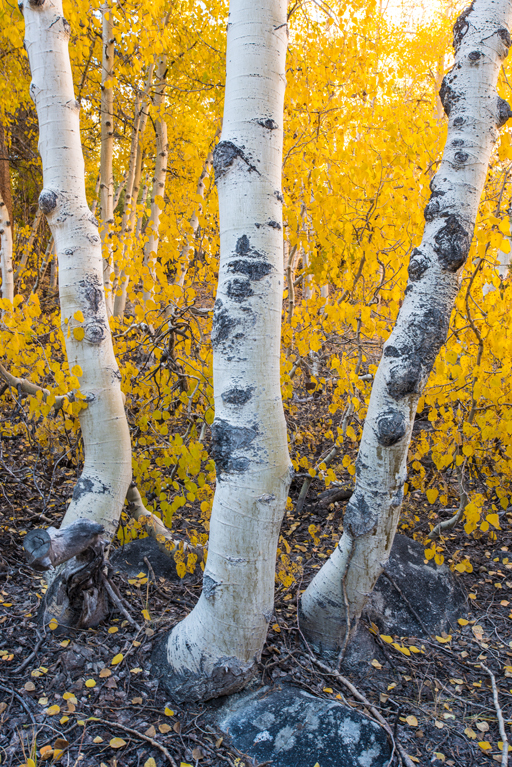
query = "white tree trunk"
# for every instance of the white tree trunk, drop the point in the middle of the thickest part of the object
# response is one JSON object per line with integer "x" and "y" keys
{"x": 159, "y": 179}
{"x": 6, "y": 253}
{"x": 100, "y": 492}
{"x": 107, "y": 149}
{"x": 215, "y": 650}
{"x": 332, "y": 604}
{"x": 188, "y": 247}
{"x": 132, "y": 193}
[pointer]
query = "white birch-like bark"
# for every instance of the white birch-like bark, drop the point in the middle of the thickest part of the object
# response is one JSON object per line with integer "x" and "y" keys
{"x": 188, "y": 247}
{"x": 6, "y": 253}
{"x": 504, "y": 259}
{"x": 107, "y": 149}
{"x": 215, "y": 650}
{"x": 159, "y": 179}
{"x": 27, "y": 248}
{"x": 100, "y": 491}
{"x": 132, "y": 194}
{"x": 332, "y": 604}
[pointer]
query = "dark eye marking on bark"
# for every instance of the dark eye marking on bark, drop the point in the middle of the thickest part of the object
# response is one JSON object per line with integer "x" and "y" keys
{"x": 222, "y": 324}
{"x": 274, "y": 224}
{"x": 279, "y": 196}
{"x": 458, "y": 142}
{"x": 475, "y": 56}
{"x": 209, "y": 586}
{"x": 224, "y": 155}
{"x": 228, "y": 439}
{"x": 404, "y": 378}
{"x": 359, "y": 518}
{"x": 504, "y": 112}
{"x": 237, "y": 396}
{"x": 47, "y": 201}
{"x": 452, "y": 243}
{"x": 418, "y": 264}
{"x": 242, "y": 245}
{"x": 239, "y": 290}
{"x": 84, "y": 486}
{"x": 459, "y": 121}
{"x": 461, "y": 157}
{"x": 92, "y": 292}
{"x": 505, "y": 36}
{"x": 95, "y": 331}
{"x": 254, "y": 270}
{"x": 267, "y": 123}
{"x": 243, "y": 248}
{"x": 460, "y": 27}
{"x": 390, "y": 428}
{"x": 36, "y": 3}
{"x": 449, "y": 97}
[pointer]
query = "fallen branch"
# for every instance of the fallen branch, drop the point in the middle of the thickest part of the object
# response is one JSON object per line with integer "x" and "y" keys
{"x": 499, "y": 714}
{"x": 139, "y": 735}
{"x": 363, "y": 699}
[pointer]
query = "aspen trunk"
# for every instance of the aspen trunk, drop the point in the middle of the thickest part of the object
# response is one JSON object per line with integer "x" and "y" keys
{"x": 107, "y": 149}
{"x": 6, "y": 252}
{"x": 100, "y": 491}
{"x": 132, "y": 194}
{"x": 215, "y": 650}
{"x": 194, "y": 220}
{"x": 151, "y": 248}
{"x": 331, "y": 606}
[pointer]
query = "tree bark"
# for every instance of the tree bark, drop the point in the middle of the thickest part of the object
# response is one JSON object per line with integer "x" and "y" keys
{"x": 100, "y": 491}
{"x": 107, "y": 149}
{"x": 6, "y": 252}
{"x": 331, "y": 606}
{"x": 215, "y": 650}
{"x": 159, "y": 179}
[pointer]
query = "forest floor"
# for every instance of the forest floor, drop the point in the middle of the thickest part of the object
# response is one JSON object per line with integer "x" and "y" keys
{"x": 88, "y": 698}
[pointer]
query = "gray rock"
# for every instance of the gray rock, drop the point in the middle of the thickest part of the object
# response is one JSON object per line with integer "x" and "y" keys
{"x": 130, "y": 559}
{"x": 415, "y": 599}
{"x": 291, "y": 728}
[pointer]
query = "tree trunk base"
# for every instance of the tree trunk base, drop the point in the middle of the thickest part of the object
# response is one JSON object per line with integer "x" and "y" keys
{"x": 78, "y": 597}
{"x": 223, "y": 676}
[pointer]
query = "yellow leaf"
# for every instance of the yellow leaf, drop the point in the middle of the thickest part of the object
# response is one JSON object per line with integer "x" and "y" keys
{"x": 462, "y": 622}
{"x": 470, "y": 733}
{"x": 65, "y": 642}
{"x": 146, "y": 615}
{"x": 53, "y": 624}
{"x": 90, "y": 683}
{"x": 105, "y": 672}
{"x": 97, "y": 739}
{"x": 79, "y": 334}
{"x": 443, "y": 640}
{"x": 64, "y": 719}
{"x": 432, "y": 494}
{"x": 150, "y": 762}
{"x": 411, "y": 720}
{"x": 168, "y": 712}
{"x": 53, "y": 710}
{"x": 76, "y": 370}
{"x": 117, "y": 743}
{"x": 136, "y": 671}
{"x": 164, "y": 728}
{"x": 117, "y": 659}
{"x": 113, "y": 629}
{"x": 484, "y": 745}
{"x": 386, "y": 638}
{"x": 376, "y": 664}
{"x": 327, "y": 689}
{"x": 493, "y": 520}
{"x": 79, "y": 317}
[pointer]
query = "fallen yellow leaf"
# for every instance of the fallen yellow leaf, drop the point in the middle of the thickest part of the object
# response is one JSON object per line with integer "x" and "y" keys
{"x": 117, "y": 659}
{"x": 117, "y": 743}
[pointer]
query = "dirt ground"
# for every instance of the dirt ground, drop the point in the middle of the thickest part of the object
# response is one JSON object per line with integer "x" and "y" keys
{"x": 88, "y": 698}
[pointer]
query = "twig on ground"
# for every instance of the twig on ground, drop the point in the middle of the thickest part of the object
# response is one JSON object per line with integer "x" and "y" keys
{"x": 29, "y": 658}
{"x": 139, "y": 735}
{"x": 118, "y": 601}
{"x": 363, "y": 699}
{"x": 13, "y": 692}
{"x": 499, "y": 714}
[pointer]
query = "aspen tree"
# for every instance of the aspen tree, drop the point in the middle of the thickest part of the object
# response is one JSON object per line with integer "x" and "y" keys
{"x": 215, "y": 650}
{"x": 107, "y": 148}
{"x": 331, "y": 606}
{"x": 6, "y": 252}
{"x": 101, "y": 489}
